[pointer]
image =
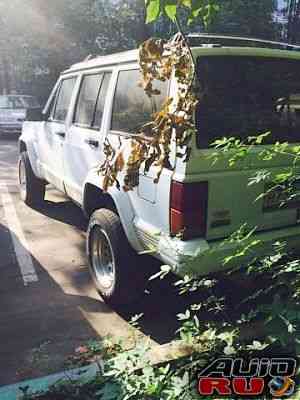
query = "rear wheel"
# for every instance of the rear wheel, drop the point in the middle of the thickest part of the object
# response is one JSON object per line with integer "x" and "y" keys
{"x": 32, "y": 189}
{"x": 113, "y": 264}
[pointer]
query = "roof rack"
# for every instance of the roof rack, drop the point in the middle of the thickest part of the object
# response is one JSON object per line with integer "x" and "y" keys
{"x": 196, "y": 39}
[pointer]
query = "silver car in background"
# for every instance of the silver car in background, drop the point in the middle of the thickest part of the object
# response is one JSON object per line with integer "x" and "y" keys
{"x": 13, "y": 110}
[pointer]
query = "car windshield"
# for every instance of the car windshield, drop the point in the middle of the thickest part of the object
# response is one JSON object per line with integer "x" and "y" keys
{"x": 246, "y": 96}
{"x": 18, "y": 102}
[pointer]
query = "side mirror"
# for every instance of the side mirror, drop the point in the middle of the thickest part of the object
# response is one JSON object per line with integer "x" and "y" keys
{"x": 35, "y": 114}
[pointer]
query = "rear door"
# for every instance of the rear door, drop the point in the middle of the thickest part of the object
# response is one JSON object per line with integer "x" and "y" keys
{"x": 131, "y": 109}
{"x": 232, "y": 202}
{"x": 82, "y": 148}
{"x": 252, "y": 96}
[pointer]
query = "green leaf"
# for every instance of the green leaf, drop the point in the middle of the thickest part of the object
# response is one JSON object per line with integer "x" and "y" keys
{"x": 197, "y": 4}
{"x": 186, "y": 3}
{"x": 152, "y": 10}
{"x": 229, "y": 350}
{"x": 111, "y": 391}
{"x": 205, "y": 11}
{"x": 256, "y": 345}
{"x": 171, "y": 9}
{"x": 184, "y": 316}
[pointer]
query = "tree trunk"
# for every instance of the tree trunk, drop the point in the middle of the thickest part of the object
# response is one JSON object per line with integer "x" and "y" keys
{"x": 5, "y": 76}
{"x": 293, "y": 31}
{"x": 143, "y": 31}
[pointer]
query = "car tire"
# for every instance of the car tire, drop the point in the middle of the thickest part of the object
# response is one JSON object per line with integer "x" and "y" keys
{"x": 113, "y": 263}
{"x": 32, "y": 189}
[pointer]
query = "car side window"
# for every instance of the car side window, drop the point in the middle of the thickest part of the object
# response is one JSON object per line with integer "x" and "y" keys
{"x": 63, "y": 100}
{"x": 85, "y": 109}
{"x": 91, "y": 100}
{"x": 101, "y": 100}
{"x": 132, "y": 107}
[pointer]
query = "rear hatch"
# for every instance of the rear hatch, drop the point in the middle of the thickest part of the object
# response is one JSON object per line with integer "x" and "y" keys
{"x": 242, "y": 96}
{"x": 233, "y": 202}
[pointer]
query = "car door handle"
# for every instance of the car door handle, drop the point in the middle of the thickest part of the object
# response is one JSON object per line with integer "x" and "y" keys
{"x": 92, "y": 142}
{"x": 61, "y": 134}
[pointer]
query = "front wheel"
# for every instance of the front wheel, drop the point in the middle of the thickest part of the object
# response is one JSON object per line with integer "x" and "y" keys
{"x": 32, "y": 189}
{"x": 113, "y": 263}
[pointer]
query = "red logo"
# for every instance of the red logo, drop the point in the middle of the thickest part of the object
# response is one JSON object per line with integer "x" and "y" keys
{"x": 227, "y": 376}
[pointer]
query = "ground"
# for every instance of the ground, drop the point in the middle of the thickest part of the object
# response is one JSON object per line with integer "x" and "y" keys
{"x": 48, "y": 305}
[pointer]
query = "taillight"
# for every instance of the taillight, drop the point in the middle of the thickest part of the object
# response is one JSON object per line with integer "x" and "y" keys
{"x": 188, "y": 209}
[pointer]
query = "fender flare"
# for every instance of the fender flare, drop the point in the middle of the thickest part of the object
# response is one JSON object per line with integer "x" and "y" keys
{"x": 122, "y": 203}
{"x": 30, "y": 145}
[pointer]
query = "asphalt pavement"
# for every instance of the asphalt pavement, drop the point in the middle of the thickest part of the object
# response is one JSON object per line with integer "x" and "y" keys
{"x": 48, "y": 305}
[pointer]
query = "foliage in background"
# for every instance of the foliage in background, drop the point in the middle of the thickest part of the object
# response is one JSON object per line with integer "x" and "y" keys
{"x": 292, "y": 11}
{"x": 39, "y": 39}
{"x": 245, "y": 18}
{"x": 203, "y": 9}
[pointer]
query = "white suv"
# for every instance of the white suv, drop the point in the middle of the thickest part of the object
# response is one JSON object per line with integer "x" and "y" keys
{"x": 100, "y": 99}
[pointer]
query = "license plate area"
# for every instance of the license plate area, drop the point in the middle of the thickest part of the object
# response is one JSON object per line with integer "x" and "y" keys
{"x": 278, "y": 198}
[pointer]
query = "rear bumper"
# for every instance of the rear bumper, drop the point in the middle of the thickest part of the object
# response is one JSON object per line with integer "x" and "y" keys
{"x": 200, "y": 257}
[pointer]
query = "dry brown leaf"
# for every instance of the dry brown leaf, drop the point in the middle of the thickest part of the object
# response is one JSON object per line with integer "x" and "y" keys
{"x": 158, "y": 59}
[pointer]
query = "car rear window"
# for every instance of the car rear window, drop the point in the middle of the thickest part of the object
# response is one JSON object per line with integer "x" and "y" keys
{"x": 245, "y": 96}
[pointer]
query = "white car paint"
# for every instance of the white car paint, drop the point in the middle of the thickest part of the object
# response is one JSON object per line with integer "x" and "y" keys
{"x": 72, "y": 165}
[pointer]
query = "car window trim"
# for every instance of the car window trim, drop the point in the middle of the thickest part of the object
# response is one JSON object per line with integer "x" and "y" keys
{"x": 83, "y": 76}
{"x": 98, "y": 96}
{"x": 78, "y": 96}
{"x": 96, "y": 103}
{"x": 52, "y": 112}
{"x": 115, "y": 131}
{"x": 53, "y": 94}
{"x": 98, "y": 72}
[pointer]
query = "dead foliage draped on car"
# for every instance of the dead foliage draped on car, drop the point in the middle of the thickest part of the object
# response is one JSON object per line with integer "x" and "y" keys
{"x": 151, "y": 144}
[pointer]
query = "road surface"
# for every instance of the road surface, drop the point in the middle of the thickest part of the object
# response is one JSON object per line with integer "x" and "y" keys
{"x": 48, "y": 305}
